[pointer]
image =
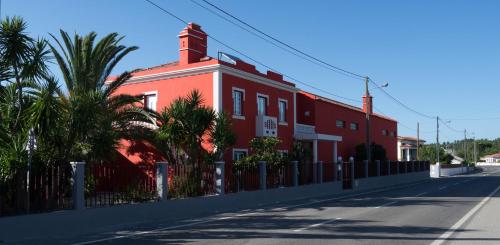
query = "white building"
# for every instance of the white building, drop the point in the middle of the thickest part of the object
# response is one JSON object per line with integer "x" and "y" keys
{"x": 495, "y": 158}
{"x": 407, "y": 148}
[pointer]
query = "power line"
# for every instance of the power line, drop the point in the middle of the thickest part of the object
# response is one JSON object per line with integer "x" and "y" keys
{"x": 358, "y": 76}
{"x": 401, "y": 103}
{"x": 248, "y": 57}
{"x": 343, "y": 71}
{"x": 474, "y": 119}
{"x": 269, "y": 41}
{"x": 450, "y": 127}
{"x": 296, "y": 50}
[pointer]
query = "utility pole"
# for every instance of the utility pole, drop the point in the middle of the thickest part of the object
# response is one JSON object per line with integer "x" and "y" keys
{"x": 418, "y": 140}
{"x": 465, "y": 145}
{"x": 367, "y": 114}
{"x": 475, "y": 153}
{"x": 437, "y": 139}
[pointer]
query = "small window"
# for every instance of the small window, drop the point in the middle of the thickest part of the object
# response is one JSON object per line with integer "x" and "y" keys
{"x": 392, "y": 133}
{"x": 261, "y": 105}
{"x": 282, "y": 111}
{"x": 340, "y": 124}
{"x": 150, "y": 101}
{"x": 354, "y": 126}
{"x": 237, "y": 103}
{"x": 384, "y": 132}
{"x": 239, "y": 154}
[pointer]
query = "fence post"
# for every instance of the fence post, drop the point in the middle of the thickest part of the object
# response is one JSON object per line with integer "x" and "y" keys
{"x": 262, "y": 175}
{"x": 339, "y": 168}
{"x": 219, "y": 178}
{"x": 365, "y": 164}
{"x": 162, "y": 180}
{"x": 351, "y": 162}
{"x": 315, "y": 172}
{"x": 295, "y": 173}
{"x": 320, "y": 172}
{"x": 78, "y": 185}
{"x": 378, "y": 167}
{"x": 412, "y": 166}
{"x": 388, "y": 162}
{"x": 397, "y": 167}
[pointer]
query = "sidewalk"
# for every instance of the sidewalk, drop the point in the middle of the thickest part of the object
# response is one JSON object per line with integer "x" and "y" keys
{"x": 64, "y": 224}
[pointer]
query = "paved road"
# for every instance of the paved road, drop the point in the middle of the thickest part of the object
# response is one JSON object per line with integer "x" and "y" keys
{"x": 449, "y": 210}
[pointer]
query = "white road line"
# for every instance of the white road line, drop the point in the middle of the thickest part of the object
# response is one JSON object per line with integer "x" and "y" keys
{"x": 239, "y": 215}
{"x": 387, "y": 204}
{"x": 316, "y": 225}
{"x": 464, "y": 219}
{"x": 421, "y": 194}
{"x": 442, "y": 188}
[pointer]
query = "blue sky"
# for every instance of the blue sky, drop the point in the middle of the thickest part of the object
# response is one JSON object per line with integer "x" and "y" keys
{"x": 439, "y": 57}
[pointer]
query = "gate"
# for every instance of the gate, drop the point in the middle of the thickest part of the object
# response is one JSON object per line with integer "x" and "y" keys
{"x": 346, "y": 175}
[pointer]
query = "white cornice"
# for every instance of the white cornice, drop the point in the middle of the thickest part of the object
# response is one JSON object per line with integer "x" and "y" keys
{"x": 210, "y": 69}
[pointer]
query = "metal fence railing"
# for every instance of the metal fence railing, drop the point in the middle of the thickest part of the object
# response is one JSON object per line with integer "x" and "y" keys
{"x": 49, "y": 188}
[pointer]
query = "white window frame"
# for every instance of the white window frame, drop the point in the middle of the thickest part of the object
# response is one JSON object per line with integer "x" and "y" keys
{"x": 356, "y": 126}
{"x": 343, "y": 123}
{"x": 240, "y": 117}
{"x": 239, "y": 149}
{"x": 257, "y": 101}
{"x": 283, "y": 123}
{"x": 155, "y": 93}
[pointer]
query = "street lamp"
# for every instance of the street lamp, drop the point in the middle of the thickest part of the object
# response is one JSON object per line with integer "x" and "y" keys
{"x": 368, "y": 111}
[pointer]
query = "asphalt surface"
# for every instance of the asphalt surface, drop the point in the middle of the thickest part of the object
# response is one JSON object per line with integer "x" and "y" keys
{"x": 460, "y": 209}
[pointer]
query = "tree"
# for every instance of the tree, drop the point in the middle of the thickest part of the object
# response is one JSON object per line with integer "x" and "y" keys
{"x": 94, "y": 118}
{"x": 222, "y": 137}
{"x": 184, "y": 127}
{"x": 22, "y": 64}
{"x": 428, "y": 153}
{"x": 378, "y": 152}
{"x": 263, "y": 149}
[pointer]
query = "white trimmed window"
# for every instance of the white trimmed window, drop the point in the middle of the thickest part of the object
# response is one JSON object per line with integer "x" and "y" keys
{"x": 282, "y": 107}
{"x": 340, "y": 124}
{"x": 238, "y": 98}
{"x": 150, "y": 100}
{"x": 354, "y": 126}
{"x": 262, "y": 103}
{"x": 239, "y": 154}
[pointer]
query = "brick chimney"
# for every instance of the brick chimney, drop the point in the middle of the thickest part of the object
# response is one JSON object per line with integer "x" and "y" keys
{"x": 370, "y": 101}
{"x": 192, "y": 43}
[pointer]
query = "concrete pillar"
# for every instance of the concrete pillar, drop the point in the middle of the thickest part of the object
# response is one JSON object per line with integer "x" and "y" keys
{"x": 320, "y": 172}
{"x": 339, "y": 168}
{"x": 351, "y": 163}
{"x": 365, "y": 164}
{"x": 335, "y": 153}
{"x": 262, "y": 175}
{"x": 162, "y": 180}
{"x": 315, "y": 151}
{"x": 78, "y": 185}
{"x": 388, "y": 162}
{"x": 378, "y": 167}
{"x": 295, "y": 173}
{"x": 220, "y": 178}
{"x": 315, "y": 172}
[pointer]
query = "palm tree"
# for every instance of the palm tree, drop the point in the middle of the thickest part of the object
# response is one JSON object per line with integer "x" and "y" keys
{"x": 184, "y": 127}
{"x": 95, "y": 117}
{"x": 23, "y": 59}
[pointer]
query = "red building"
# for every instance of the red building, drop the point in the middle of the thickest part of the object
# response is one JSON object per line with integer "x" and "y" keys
{"x": 260, "y": 104}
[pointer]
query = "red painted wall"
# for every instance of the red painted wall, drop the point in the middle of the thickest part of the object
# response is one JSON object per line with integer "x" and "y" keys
{"x": 246, "y": 129}
{"x": 324, "y": 117}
